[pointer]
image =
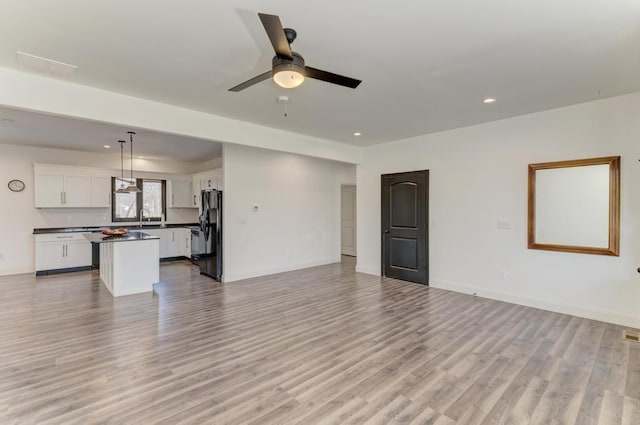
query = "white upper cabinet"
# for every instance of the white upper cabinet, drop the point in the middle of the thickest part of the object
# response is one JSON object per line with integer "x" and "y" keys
{"x": 196, "y": 192}
{"x": 61, "y": 187}
{"x": 208, "y": 180}
{"x": 218, "y": 179}
{"x": 58, "y": 186}
{"x": 77, "y": 191}
{"x": 66, "y": 186}
{"x": 49, "y": 190}
{"x": 100, "y": 191}
{"x": 180, "y": 194}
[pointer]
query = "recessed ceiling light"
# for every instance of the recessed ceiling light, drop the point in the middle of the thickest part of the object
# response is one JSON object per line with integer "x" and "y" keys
{"x": 489, "y": 100}
{"x": 141, "y": 157}
{"x": 357, "y": 133}
{"x": 107, "y": 147}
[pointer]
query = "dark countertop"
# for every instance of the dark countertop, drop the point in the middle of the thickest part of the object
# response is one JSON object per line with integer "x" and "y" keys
{"x": 131, "y": 236}
{"x": 45, "y": 230}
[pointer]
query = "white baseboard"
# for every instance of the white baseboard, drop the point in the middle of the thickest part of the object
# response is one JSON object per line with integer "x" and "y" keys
{"x": 368, "y": 270}
{"x": 11, "y": 272}
{"x": 603, "y": 316}
{"x": 232, "y": 277}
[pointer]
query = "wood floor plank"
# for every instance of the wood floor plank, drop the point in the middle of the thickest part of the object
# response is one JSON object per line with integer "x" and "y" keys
{"x": 323, "y": 345}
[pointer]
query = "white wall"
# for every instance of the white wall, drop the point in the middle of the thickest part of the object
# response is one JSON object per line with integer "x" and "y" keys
{"x": 298, "y": 221}
{"x": 18, "y": 217}
{"x": 478, "y": 175}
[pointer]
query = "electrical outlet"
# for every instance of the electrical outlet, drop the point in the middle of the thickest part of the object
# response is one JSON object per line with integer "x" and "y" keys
{"x": 502, "y": 274}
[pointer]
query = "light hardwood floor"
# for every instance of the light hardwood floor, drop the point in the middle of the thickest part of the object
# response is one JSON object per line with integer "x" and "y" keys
{"x": 318, "y": 346}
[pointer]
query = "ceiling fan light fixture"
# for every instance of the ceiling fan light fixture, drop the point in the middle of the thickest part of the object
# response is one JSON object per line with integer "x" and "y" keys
{"x": 288, "y": 73}
{"x": 288, "y": 78}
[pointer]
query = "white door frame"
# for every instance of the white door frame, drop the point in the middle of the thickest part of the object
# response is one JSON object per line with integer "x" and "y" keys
{"x": 348, "y": 225}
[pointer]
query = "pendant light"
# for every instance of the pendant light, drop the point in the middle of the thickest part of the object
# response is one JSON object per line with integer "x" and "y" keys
{"x": 132, "y": 187}
{"x": 122, "y": 188}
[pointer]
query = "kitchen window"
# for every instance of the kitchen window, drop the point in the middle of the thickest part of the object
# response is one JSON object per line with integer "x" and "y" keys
{"x": 150, "y": 201}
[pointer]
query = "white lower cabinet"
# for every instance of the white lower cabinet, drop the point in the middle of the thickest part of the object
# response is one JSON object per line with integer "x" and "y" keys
{"x": 182, "y": 242}
{"x": 50, "y": 256}
{"x": 78, "y": 254}
{"x": 56, "y": 251}
{"x": 174, "y": 242}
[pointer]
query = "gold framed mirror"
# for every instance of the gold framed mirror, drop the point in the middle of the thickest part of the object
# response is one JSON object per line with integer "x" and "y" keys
{"x": 574, "y": 206}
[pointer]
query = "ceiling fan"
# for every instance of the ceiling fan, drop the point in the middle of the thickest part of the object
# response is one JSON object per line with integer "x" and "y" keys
{"x": 288, "y": 69}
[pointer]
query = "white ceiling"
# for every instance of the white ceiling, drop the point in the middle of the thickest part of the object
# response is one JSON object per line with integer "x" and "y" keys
{"x": 33, "y": 129}
{"x": 426, "y": 65}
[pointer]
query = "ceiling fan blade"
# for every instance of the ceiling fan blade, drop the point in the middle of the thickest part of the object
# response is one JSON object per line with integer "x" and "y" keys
{"x": 254, "y": 80}
{"x": 330, "y": 77}
{"x": 274, "y": 30}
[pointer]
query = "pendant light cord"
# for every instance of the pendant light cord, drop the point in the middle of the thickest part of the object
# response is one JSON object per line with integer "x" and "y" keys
{"x": 131, "y": 133}
{"x": 122, "y": 142}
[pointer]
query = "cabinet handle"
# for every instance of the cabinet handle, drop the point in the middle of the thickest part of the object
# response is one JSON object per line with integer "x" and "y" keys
{"x": 186, "y": 243}
{"x": 61, "y": 198}
{"x": 172, "y": 201}
{"x": 209, "y": 183}
{"x": 194, "y": 199}
{"x": 64, "y": 237}
{"x": 173, "y": 237}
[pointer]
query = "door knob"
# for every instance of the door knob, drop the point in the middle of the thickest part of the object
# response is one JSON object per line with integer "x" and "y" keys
{"x": 386, "y": 231}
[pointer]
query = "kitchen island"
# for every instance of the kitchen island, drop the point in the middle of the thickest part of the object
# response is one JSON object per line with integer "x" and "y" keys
{"x": 130, "y": 263}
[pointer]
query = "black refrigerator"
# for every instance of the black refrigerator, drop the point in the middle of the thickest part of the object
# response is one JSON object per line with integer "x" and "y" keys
{"x": 210, "y": 258}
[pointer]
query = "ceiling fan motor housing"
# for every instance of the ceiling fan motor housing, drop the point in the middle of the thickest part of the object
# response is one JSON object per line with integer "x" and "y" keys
{"x": 283, "y": 64}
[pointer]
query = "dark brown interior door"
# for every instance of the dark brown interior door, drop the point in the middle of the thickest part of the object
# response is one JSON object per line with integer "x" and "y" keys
{"x": 405, "y": 210}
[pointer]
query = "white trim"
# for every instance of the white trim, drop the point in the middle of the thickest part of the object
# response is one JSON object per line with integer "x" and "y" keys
{"x": 367, "y": 270}
{"x": 601, "y": 315}
{"x": 265, "y": 272}
{"x": 21, "y": 270}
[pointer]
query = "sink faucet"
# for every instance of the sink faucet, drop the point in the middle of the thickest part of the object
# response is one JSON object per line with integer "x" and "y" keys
{"x": 142, "y": 210}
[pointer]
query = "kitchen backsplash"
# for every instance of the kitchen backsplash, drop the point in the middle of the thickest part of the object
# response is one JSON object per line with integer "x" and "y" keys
{"x": 71, "y": 217}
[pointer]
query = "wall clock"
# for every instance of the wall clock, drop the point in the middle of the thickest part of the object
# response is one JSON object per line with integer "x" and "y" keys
{"x": 16, "y": 185}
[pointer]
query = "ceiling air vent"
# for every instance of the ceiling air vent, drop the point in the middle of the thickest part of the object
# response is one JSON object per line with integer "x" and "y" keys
{"x": 631, "y": 335}
{"x": 45, "y": 66}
